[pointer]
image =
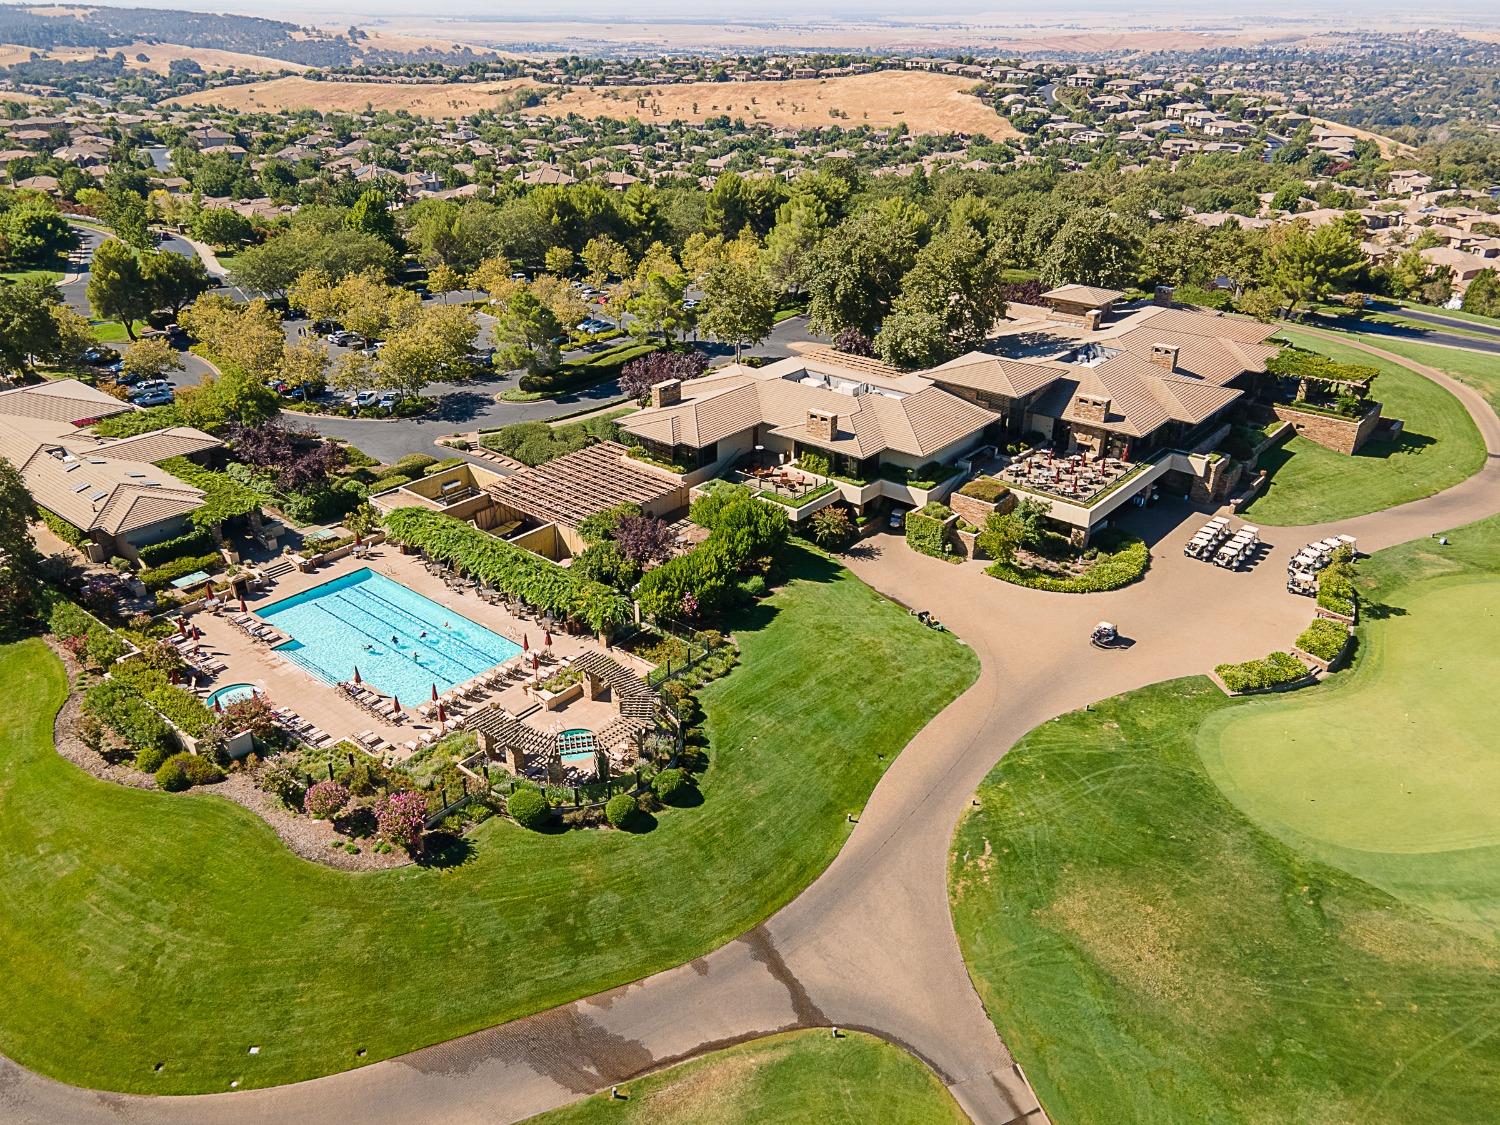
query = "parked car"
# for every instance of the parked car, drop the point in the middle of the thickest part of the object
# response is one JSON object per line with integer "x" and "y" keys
{"x": 362, "y": 398}
{"x": 346, "y": 339}
{"x": 326, "y": 327}
{"x": 99, "y": 356}
{"x": 387, "y": 401}
{"x": 592, "y": 326}
{"x": 155, "y": 398}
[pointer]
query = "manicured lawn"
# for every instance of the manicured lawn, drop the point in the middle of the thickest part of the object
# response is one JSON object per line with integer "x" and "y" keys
{"x": 805, "y": 1076}
{"x": 110, "y": 332}
{"x": 1152, "y": 953}
{"x": 1481, "y": 370}
{"x": 1439, "y": 447}
{"x": 1454, "y": 314}
{"x": 178, "y": 930}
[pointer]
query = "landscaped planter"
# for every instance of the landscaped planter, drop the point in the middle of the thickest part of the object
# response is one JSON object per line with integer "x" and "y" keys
{"x": 552, "y": 701}
{"x": 1291, "y": 685}
{"x": 1335, "y": 615}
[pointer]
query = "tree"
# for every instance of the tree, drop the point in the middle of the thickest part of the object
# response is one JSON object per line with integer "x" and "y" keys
{"x": 564, "y": 301}
{"x": 20, "y": 588}
{"x": 355, "y": 371}
{"x": 73, "y": 334}
{"x": 644, "y": 539}
{"x": 800, "y": 223}
{"x": 525, "y": 334}
{"x": 1001, "y": 536}
{"x": 117, "y": 288}
{"x": 231, "y": 396}
{"x": 150, "y": 358}
{"x": 305, "y": 364}
{"x": 174, "y": 279}
{"x": 271, "y": 268}
{"x": 831, "y": 527}
{"x": 738, "y": 305}
{"x": 1094, "y": 246}
{"x": 1483, "y": 294}
{"x": 949, "y": 301}
{"x": 433, "y": 346}
{"x": 33, "y": 230}
{"x": 444, "y": 279}
{"x": 28, "y": 328}
{"x": 639, "y": 375}
{"x": 855, "y": 272}
{"x": 603, "y": 258}
{"x": 558, "y": 260}
{"x": 221, "y": 227}
{"x": 370, "y": 215}
{"x": 1306, "y": 265}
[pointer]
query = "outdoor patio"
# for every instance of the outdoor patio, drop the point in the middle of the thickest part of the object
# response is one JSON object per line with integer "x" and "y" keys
{"x": 1074, "y": 476}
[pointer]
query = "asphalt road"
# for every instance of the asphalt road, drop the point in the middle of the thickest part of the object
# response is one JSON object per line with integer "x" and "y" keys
{"x": 1437, "y": 320}
{"x": 870, "y": 944}
{"x": 1434, "y": 335}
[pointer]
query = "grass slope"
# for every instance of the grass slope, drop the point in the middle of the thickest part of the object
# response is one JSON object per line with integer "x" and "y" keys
{"x": 1480, "y": 370}
{"x": 800, "y": 1076}
{"x": 1150, "y": 953}
{"x": 177, "y": 929}
{"x": 1440, "y": 447}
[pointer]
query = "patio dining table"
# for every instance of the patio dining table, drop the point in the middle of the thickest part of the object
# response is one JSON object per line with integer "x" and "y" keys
{"x": 188, "y": 581}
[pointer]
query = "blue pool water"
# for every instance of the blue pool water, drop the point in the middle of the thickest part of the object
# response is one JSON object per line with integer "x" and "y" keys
{"x": 350, "y": 621}
{"x": 576, "y": 745}
{"x": 231, "y": 693}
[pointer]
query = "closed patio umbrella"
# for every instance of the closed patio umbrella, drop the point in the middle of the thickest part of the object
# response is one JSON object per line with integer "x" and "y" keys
{"x": 218, "y": 707}
{"x": 356, "y": 673}
{"x": 442, "y": 715}
{"x": 395, "y": 705}
{"x": 434, "y": 693}
{"x": 243, "y": 607}
{"x": 525, "y": 643}
{"x": 547, "y": 638}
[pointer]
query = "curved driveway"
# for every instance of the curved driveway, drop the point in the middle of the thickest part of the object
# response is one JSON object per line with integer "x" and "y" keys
{"x": 870, "y": 944}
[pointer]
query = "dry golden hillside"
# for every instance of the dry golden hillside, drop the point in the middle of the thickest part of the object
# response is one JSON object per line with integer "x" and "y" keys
{"x": 926, "y": 103}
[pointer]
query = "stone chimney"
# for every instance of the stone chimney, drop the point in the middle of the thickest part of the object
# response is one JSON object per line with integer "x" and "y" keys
{"x": 1092, "y": 319}
{"x": 1165, "y": 356}
{"x": 667, "y": 393}
{"x": 1164, "y": 295}
{"x": 1090, "y": 408}
{"x": 822, "y": 424}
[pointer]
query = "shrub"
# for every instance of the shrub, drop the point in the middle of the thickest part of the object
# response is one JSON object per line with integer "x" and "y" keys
{"x": 119, "y": 706}
{"x": 197, "y": 542}
{"x": 395, "y": 480}
{"x": 1336, "y": 592}
{"x": 671, "y": 785}
{"x": 414, "y": 464}
{"x": 325, "y": 799}
{"x": 754, "y": 587}
{"x": 283, "y": 782}
{"x": 986, "y": 489}
{"x": 831, "y": 528}
{"x": 579, "y": 374}
{"x": 103, "y": 646}
{"x": 66, "y": 620}
{"x": 927, "y": 530}
{"x": 401, "y": 817}
{"x": 183, "y": 771}
{"x": 528, "y": 807}
{"x": 1113, "y": 567}
{"x": 160, "y": 577}
{"x": 534, "y": 443}
{"x": 1272, "y": 671}
{"x": 1323, "y": 638}
{"x": 620, "y": 810}
{"x": 150, "y": 758}
{"x": 814, "y": 462}
{"x": 63, "y": 529}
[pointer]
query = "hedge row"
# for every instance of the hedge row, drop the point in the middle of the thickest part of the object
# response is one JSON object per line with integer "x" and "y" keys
{"x": 196, "y": 542}
{"x": 580, "y": 374}
{"x": 1111, "y": 570}
{"x": 63, "y": 529}
{"x": 1336, "y": 591}
{"x": 1324, "y": 639}
{"x": 508, "y": 568}
{"x": 185, "y": 710}
{"x": 927, "y": 529}
{"x": 160, "y": 577}
{"x": 1272, "y": 671}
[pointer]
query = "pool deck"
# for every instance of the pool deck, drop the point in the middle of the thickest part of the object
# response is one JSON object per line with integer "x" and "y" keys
{"x": 287, "y": 684}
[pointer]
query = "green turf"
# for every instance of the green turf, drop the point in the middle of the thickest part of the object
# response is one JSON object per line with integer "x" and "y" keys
{"x": 1480, "y": 370}
{"x": 110, "y": 332}
{"x": 1150, "y": 953}
{"x": 1396, "y": 320}
{"x": 177, "y": 929}
{"x": 1454, "y": 314}
{"x": 1439, "y": 447}
{"x": 802, "y": 1076}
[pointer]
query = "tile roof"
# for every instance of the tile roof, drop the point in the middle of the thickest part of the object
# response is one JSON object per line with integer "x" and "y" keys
{"x": 62, "y": 400}
{"x": 995, "y": 374}
{"x": 1083, "y": 294}
{"x": 1203, "y": 322}
{"x": 1214, "y": 359}
{"x": 875, "y": 411}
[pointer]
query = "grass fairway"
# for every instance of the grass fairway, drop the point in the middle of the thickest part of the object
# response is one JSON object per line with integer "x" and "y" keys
{"x": 177, "y": 929}
{"x": 1440, "y": 447}
{"x": 1151, "y": 952}
{"x": 803, "y": 1076}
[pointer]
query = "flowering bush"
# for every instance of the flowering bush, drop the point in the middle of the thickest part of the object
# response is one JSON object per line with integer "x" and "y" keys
{"x": 325, "y": 799}
{"x": 400, "y": 817}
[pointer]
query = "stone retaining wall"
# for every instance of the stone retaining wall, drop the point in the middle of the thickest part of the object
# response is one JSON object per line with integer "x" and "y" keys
{"x": 1342, "y": 435}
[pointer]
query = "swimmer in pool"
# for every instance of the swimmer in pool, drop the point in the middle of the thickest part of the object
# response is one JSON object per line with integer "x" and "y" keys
{"x": 394, "y": 641}
{"x": 424, "y": 634}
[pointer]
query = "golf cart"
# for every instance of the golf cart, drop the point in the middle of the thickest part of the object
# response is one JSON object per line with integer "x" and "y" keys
{"x": 1104, "y": 635}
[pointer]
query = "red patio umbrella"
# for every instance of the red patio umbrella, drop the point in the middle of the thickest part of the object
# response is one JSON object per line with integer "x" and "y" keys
{"x": 182, "y": 626}
{"x": 218, "y": 707}
{"x": 525, "y": 643}
{"x": 395, "y": 706}
{"x": 356, "y": 673}
{"x": 547, "y": 638}
{"x": 442, "y": 715}
{"x": 197, "y": 633}
{"x": 243, "y": 607}
{"x": 434, "y": 693}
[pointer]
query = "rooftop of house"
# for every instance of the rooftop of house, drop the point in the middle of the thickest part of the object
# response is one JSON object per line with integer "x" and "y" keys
{"x": 107, "y": 484}
{"x": 872, "y": 408}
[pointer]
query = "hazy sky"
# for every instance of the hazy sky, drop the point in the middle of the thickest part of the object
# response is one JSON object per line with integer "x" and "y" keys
{"x": 1096, "y": 14}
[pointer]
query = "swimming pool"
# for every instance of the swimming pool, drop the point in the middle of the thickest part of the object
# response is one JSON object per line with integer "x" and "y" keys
{"x": 231, "y": 693}
{"x": 401, "y": 642}
{"x": 576, "y": 745}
